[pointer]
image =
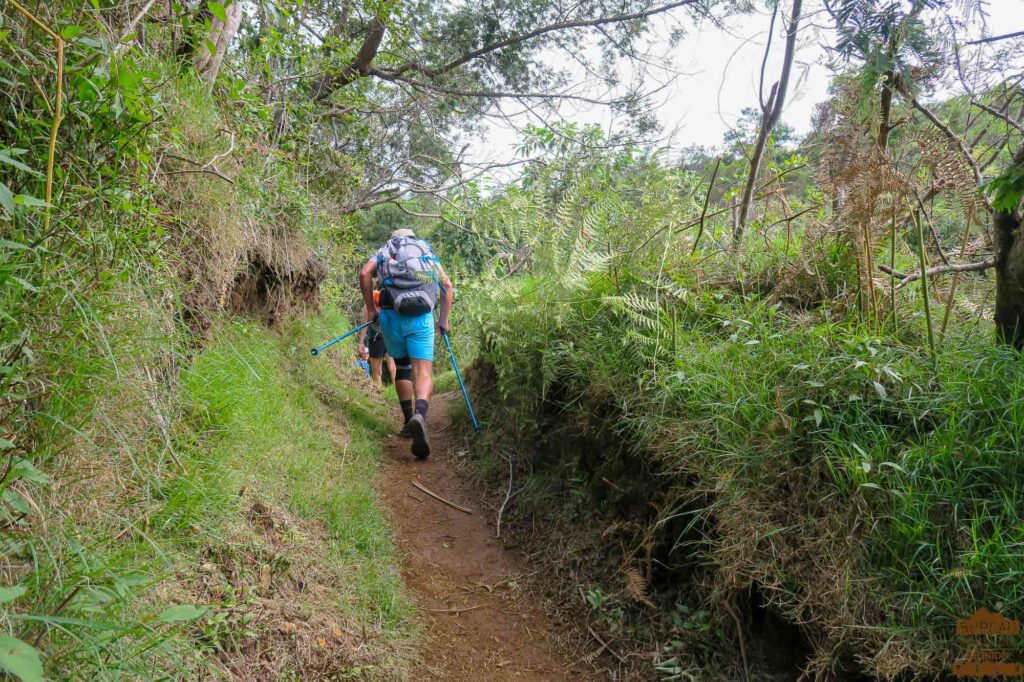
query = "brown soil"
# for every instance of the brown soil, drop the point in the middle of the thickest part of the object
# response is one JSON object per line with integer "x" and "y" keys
{"x": 479, "y": 619}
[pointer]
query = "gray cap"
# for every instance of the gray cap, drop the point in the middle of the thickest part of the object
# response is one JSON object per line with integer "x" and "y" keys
{"x": 404, "y": 232}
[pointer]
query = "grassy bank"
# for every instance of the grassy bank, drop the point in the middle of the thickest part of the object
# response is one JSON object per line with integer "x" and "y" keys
{"x": 178, "y": 492}
{"x": 822, "y": 485}
{"x": 300, "y": 438}
{"x": 243, "y": 541}
{"x": 836, "y": 478}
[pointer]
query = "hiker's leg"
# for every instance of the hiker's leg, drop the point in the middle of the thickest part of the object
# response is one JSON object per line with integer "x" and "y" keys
{"x": 403, "y": 386}
{"x": 419, "y": 339}
{"x": 376, "y": 370}
{"x": 377, "y": 351}
{"x": 423, "y": 378}
{"x": 391, "y": 326}
{"x": 391, "y": 367}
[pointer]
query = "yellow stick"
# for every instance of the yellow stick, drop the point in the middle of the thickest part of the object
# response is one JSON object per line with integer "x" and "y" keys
{"x": 58, "y": 109}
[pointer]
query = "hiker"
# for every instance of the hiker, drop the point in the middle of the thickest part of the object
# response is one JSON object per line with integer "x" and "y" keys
{"x": 371, "y": 347}
{"x": 411, "y": 278}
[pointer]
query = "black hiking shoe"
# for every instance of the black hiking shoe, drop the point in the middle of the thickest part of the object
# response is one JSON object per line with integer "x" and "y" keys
{"x": 405, "y": 432}
{"x": 417, "y": 428}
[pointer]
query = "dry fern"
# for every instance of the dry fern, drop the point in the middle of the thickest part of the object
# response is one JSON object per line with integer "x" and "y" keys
{"x": 636, "y": 587}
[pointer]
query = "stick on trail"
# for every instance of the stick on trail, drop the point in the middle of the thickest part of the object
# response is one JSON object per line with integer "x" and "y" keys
{"x": 437, "y": 497}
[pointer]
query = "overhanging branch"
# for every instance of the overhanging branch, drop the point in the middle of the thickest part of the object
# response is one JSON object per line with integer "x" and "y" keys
{"x": 529, "y": 35}
{"x": 362, "y": 65}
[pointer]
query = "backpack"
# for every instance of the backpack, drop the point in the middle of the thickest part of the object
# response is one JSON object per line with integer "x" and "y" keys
{"x": 407, "y": 268}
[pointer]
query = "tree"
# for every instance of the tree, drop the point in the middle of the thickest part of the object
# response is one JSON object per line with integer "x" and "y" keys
{"x": 223, "y": 29}
{"x": 386, "y": 89}
{"x": 904, "y": 56}
{"x": 485, "y": 52}
{"x": 771, "y": 112}
{"x": 1009, "y": 260}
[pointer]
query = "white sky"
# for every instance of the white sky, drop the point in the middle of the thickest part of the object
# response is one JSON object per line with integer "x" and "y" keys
{"x": 716, "y": 77}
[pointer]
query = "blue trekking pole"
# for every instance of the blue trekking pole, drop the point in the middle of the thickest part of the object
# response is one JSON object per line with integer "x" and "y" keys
{"x": 458, "y": 375}
{"x": 316, "y": 351}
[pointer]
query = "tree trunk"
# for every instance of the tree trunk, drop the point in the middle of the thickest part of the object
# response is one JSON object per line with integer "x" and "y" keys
{"x": 770, "y": 115}
{"x": 1009, "y": 243}
{"x": 221, "y": 34}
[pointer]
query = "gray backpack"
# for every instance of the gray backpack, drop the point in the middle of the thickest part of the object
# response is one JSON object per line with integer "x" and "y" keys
{"x": 408, "y": 271}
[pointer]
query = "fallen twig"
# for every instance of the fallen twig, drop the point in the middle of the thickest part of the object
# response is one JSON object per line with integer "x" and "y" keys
{"x": 605, "y": 646}
{"x": 457, "y": 610}
{"x": 743, "y": 643}
{"x": 508, "y": 495}
{"x": 464, "y": 510}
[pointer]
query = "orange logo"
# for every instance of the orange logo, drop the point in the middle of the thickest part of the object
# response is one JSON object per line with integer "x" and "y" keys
{"x": 980, "y": 663}
{"x": 985, "y": 622}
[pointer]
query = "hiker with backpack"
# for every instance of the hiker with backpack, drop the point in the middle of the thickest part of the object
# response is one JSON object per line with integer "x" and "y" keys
{"x": 411, "y": 280}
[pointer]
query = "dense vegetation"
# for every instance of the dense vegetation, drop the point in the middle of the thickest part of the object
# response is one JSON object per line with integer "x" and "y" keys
{"x": 783, "y": 372}
{"x": 792, "y": 460}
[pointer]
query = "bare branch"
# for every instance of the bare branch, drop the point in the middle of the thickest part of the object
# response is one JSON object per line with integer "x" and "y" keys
{"x": 770, "y": 117}
{"x": 938, "y": 270}
{"x": 360, "y": 66}
{"x": 130, "y": 28}
{"x": 992, "y": 39}
{"x": 211, "y": 171}
{"x": 764, "y": 60}
{"x": 999, "y": 114}
{"x": 529, "y": 35}
{"x": 707, "y": 198}
{"x": 488, "y": 94}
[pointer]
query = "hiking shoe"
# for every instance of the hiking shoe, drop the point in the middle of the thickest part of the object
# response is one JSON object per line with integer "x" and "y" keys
{"x": 405, "y": 432}
{"x": 417, "y": 428}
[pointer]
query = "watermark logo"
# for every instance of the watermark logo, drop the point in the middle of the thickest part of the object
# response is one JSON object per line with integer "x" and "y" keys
{"x": 979, "y": 663}
{"x": 985, "y": 622}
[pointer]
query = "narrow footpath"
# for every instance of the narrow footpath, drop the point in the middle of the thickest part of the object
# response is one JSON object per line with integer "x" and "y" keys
{"x": 479, "y": 620}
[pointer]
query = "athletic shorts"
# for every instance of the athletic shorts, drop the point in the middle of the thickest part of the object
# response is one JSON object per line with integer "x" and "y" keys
{"x": 375, "y": 342}
{"x": 408, "y": 336}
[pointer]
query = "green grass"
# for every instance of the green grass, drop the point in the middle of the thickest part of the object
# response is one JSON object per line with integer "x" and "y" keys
{"x": 831, "y": 467}
{"x": 257, "y": 422}
{"x": 102, "y": 386}
{"x": 445, "y": 382}
{"x": 284, "y": 425}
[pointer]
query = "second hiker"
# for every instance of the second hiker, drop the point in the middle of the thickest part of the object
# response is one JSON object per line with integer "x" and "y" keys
{"x": 411, "y": 280}
{"x": 371, "y": 347}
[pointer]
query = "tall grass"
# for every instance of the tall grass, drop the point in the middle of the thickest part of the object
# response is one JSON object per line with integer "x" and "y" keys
{"x": 307, "y": 440}
{"x": 735, "y": 446}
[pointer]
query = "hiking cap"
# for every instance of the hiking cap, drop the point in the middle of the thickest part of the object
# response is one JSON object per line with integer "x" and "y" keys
{"x": 403, "y": 232}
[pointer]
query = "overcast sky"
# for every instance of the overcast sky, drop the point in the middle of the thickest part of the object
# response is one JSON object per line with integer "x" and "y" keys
{"x": 714, "y": 77}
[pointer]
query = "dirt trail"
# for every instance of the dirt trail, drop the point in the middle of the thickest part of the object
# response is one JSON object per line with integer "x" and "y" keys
{"x": 479, "y": 622}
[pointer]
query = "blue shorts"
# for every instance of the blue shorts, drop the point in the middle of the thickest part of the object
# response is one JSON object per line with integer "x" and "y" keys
{"x": 408, "y": 336}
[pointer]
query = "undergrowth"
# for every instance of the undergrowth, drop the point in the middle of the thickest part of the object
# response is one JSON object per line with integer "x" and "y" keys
{"x": 285, "y": 433}
{"x": 747, "y": 458}
{"x": 143, "y": 508}
{"x": 248, "y": 543}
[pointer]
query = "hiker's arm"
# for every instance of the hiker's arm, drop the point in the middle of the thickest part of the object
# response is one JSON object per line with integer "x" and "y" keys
{"x": 364, "y": 352}
{"x": 366, "y": 274}
{"x": 447, "y": 294}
